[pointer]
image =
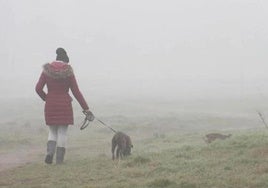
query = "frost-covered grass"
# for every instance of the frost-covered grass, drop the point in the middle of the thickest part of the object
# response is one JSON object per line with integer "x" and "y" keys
{"x": 169, "y": 151}
{"x": 175, "y": 160}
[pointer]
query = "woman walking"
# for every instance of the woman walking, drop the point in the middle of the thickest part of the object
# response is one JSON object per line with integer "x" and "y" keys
{"x": 58, "y": 76}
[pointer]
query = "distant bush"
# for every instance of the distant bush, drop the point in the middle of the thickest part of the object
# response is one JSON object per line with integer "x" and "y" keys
{"x": 159, "y": 135}
{"x": 187, "y": 185}
{"x": 139, "y": 160}
{"x": 162, "y": 183}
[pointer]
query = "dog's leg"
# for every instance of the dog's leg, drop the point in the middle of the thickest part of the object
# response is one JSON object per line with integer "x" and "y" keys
{"x": 123, "y": 148}
{"x": 121, "y": 154}
{"x": 113, "y": 155}
{"x": 113, "y": 148}
{"x": 118, "y": 149}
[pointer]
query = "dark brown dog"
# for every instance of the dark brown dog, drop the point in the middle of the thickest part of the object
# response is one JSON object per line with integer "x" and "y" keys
{"x": 123, "y": 145}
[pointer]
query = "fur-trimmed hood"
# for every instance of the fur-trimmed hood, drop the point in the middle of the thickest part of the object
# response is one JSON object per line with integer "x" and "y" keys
{"x": 58, "y": 70}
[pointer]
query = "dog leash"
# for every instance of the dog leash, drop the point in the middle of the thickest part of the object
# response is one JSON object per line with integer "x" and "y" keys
{"x": 86, "y": 123}
{"x": 106, "y": 125}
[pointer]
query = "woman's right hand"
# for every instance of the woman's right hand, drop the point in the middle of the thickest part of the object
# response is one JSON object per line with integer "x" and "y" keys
{"x": 89, "y": 115}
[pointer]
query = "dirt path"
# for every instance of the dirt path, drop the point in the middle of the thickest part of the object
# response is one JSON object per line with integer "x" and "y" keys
{"x": 18, "y": 158}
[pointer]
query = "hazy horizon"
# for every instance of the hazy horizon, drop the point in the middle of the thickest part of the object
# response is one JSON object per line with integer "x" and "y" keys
{"x": 172, "y": 49}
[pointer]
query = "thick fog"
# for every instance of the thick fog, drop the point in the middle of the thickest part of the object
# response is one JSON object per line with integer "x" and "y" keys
{"x": 142, "y": 49}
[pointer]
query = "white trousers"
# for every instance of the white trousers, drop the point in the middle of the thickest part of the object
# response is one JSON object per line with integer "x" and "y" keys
{"x": 58, "y": 133}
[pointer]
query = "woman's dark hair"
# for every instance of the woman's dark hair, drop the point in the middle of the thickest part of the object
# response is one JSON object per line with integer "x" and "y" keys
{"x": 62, "y": 55}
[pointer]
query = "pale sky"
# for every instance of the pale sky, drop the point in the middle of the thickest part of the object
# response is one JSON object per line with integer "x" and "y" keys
{"x": 141, "y": 48}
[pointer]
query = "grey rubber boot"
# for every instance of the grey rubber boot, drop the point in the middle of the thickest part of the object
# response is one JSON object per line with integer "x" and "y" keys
{"x": 60, "y": 155}
{"x": 51, "y": 147}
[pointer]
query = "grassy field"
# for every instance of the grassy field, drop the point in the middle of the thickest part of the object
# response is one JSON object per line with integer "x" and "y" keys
{"x": 169, "y": 151}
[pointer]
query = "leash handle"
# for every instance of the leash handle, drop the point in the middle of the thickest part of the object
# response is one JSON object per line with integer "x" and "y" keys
{"x": 85, "y": 124}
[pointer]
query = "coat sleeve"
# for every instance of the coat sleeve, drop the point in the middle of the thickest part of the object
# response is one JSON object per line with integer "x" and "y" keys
{"x": 39, "y": 87}
{"x": 77, "y": 94}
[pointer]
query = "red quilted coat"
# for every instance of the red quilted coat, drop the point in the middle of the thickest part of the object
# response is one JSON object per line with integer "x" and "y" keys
{"x": 59, "y": 78}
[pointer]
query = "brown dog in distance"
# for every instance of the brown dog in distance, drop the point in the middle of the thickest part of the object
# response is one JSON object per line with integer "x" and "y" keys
{"x": 214, "y": 136}
{"x": 122, "y": 143}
